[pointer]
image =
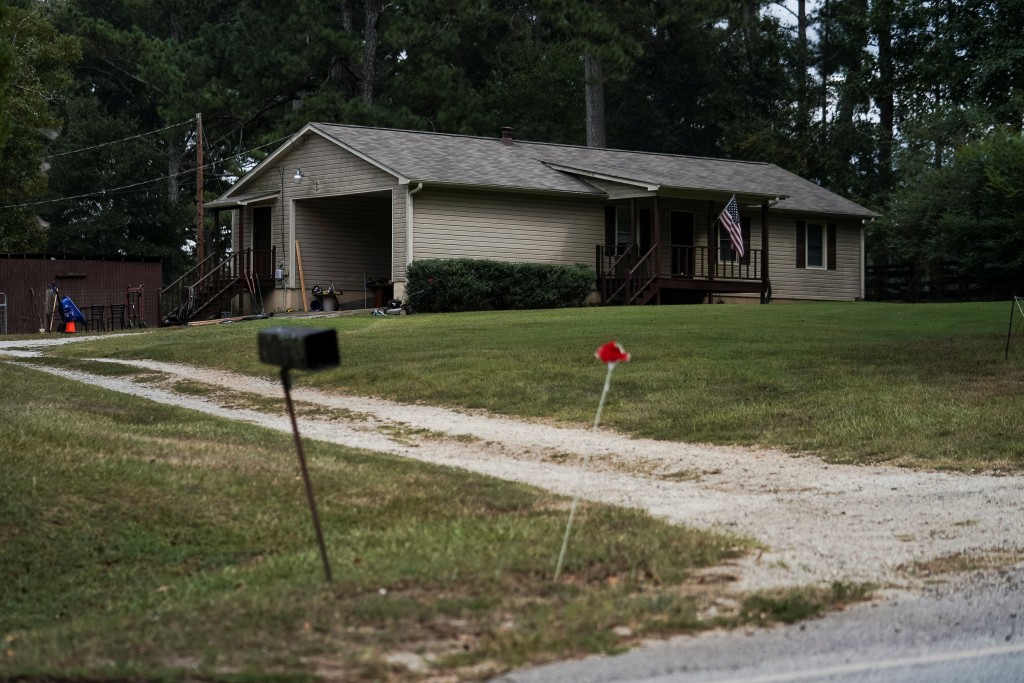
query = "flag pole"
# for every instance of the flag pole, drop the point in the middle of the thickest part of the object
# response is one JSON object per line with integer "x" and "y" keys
{"x": 586, "y": 461}
{"x": 611, "y": 354}
{"x": 1009, "y": 332}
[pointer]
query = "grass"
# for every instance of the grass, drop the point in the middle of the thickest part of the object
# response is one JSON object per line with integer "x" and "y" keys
{"x": 997, "y": 558}
{"x": 147, "y": 542}
{"x": 920, "y": 386}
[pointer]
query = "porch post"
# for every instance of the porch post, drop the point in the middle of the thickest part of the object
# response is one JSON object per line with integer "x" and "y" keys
{"x": 657, "y": 222}
{"x": 657, "y": 245}
{"x": 765, "y": 281}
{"x": 634, "y": 224}
{"x": 712, "y": 248}
{"x": 241, "y": 228}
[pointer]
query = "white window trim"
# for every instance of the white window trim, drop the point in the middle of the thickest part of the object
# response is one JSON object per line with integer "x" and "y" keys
{"x": 807, "y": 246}
{"x": 621, "y": 209}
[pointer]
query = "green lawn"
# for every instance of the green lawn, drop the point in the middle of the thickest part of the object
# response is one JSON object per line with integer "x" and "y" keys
{"x": 140, "y": 541}
{"x": 922, "y": 386}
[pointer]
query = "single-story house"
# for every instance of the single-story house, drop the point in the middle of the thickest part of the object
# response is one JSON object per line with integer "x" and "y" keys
{"x": 354, "y": 204}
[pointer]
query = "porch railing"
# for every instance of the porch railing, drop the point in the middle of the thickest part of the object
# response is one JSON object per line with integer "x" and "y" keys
{"x": 690, "y": 261}
{"x": 614, "y": 262}
{"x": 626, "y": 276}
{"x": 210, "y": 280}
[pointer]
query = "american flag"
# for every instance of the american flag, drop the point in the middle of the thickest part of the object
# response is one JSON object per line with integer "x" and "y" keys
{"x": 730, "y": 219}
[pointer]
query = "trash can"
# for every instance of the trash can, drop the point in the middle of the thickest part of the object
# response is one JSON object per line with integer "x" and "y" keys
{"x": 330, "y": 302}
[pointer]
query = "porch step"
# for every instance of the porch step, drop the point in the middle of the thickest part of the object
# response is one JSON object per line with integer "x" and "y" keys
{"x": 213, "y": 302}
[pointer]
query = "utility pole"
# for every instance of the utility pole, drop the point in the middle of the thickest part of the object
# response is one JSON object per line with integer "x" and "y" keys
{"x": 200, "y": 228}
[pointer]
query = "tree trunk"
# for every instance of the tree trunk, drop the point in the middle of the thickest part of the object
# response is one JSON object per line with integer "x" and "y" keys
{"x": 173, "y": 171}
{"x": 803, "y": 112}
{"x": 824, "y": 67}
{"x": 884, "y": 97}
{"x": 594, "y": 100}
{"x": 346, "y": 14}
{"x": 374, "y": 9}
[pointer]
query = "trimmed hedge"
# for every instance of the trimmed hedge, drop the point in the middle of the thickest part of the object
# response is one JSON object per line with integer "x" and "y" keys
{"x": 446, "y": 285}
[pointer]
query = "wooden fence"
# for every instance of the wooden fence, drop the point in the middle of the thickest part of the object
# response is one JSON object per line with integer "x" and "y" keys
{"x": 908, "y": 282}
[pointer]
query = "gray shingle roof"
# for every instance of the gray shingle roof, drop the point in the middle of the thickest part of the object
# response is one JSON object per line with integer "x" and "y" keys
{"x": 487, "y": 162}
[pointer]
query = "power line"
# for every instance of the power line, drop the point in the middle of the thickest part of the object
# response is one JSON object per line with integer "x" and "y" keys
{"x": 114, "y": 142}
{"x": 143, "y": 182}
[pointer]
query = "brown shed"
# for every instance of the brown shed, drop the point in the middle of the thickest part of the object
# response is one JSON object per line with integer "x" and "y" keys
{"x": 99, "y": 286}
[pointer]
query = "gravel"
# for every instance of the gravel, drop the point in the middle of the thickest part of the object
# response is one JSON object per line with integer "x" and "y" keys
{"x": 819, "y": 522}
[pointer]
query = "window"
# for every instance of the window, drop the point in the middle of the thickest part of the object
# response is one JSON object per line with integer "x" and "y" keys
{"x": 815, "y": 245}
{"x": 623, "y": 227}
{"x": 618, "y": 229}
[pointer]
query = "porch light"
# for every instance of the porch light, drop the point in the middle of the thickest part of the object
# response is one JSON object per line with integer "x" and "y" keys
{"x": 298, "y": 177}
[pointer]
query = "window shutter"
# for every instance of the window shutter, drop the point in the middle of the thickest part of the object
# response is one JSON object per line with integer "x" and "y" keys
{"x": 745, "y": 225}
{"x": 801, "y": 244}
{"x": 609, "y": 225}
{"x": 831, "y": 246}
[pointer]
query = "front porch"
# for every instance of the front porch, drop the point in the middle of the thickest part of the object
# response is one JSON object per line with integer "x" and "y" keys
{"x": 636, "y": 267}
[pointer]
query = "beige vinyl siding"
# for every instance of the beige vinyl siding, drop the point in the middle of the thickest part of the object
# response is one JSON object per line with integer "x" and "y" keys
{"x": 451, "y": 224}
{"x": 336, "y": 171}
{"x": 790, "y": 282}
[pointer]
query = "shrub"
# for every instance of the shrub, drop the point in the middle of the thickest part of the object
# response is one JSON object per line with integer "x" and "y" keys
{"x": 445, "y": 285}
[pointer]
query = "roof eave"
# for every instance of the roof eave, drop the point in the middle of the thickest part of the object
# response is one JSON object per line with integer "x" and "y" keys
{"x": 864, "y": 214}
{"x": 225, "y": 202}
{"x": 433, "y": 184}
{"x": 724, "y": 194}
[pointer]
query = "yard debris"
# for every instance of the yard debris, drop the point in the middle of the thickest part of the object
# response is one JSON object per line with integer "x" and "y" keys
{"x": 234, "y": 319}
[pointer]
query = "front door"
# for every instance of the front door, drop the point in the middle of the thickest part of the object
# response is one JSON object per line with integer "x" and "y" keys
{"x": 262, "y": 223}
{"x": 682, "y": 243}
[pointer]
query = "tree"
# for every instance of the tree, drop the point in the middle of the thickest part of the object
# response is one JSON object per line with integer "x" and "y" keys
{"x": 6, "y": 73}
{"x": 41, "y": 70}
{"x": 966, "y": 211}
{"x": 122, "y": 213}
{"x": 606, "y": 37}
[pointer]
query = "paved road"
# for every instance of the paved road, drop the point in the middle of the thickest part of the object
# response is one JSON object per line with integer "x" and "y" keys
{"x": 969, "y": 630}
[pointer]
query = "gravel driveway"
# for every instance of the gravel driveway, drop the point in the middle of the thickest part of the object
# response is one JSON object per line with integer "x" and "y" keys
{"x": 819, "y": 522}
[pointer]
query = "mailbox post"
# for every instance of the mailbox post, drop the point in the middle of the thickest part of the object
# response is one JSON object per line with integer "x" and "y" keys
{"x": 301, "y": 348}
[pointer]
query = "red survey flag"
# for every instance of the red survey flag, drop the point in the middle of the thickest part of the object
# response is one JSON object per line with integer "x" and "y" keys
{"x": 612, "y": 353}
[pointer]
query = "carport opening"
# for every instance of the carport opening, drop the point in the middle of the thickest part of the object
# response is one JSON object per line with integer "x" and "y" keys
{"x": 346, "y": 240}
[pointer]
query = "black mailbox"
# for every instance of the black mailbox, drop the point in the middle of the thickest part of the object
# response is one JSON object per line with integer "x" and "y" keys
{"x": 299, "y": 348}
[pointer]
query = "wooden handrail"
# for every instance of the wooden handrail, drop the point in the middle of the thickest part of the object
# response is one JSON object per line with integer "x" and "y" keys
{"x": 210, "y": 279}
{"x": 188, "y": 274}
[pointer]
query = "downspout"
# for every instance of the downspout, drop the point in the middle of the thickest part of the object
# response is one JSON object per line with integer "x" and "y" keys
{"x": 863, "y": 263}
{"x": 408, "y": 222}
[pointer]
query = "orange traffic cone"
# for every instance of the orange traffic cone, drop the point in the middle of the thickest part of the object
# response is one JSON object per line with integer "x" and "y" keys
{"x": 69, "y": 326}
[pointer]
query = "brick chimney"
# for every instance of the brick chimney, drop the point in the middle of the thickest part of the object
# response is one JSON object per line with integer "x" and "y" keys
{"x": 506, "y": 135}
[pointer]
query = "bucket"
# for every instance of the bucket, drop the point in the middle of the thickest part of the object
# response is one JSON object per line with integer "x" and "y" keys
{"x": 316, "y": 305}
